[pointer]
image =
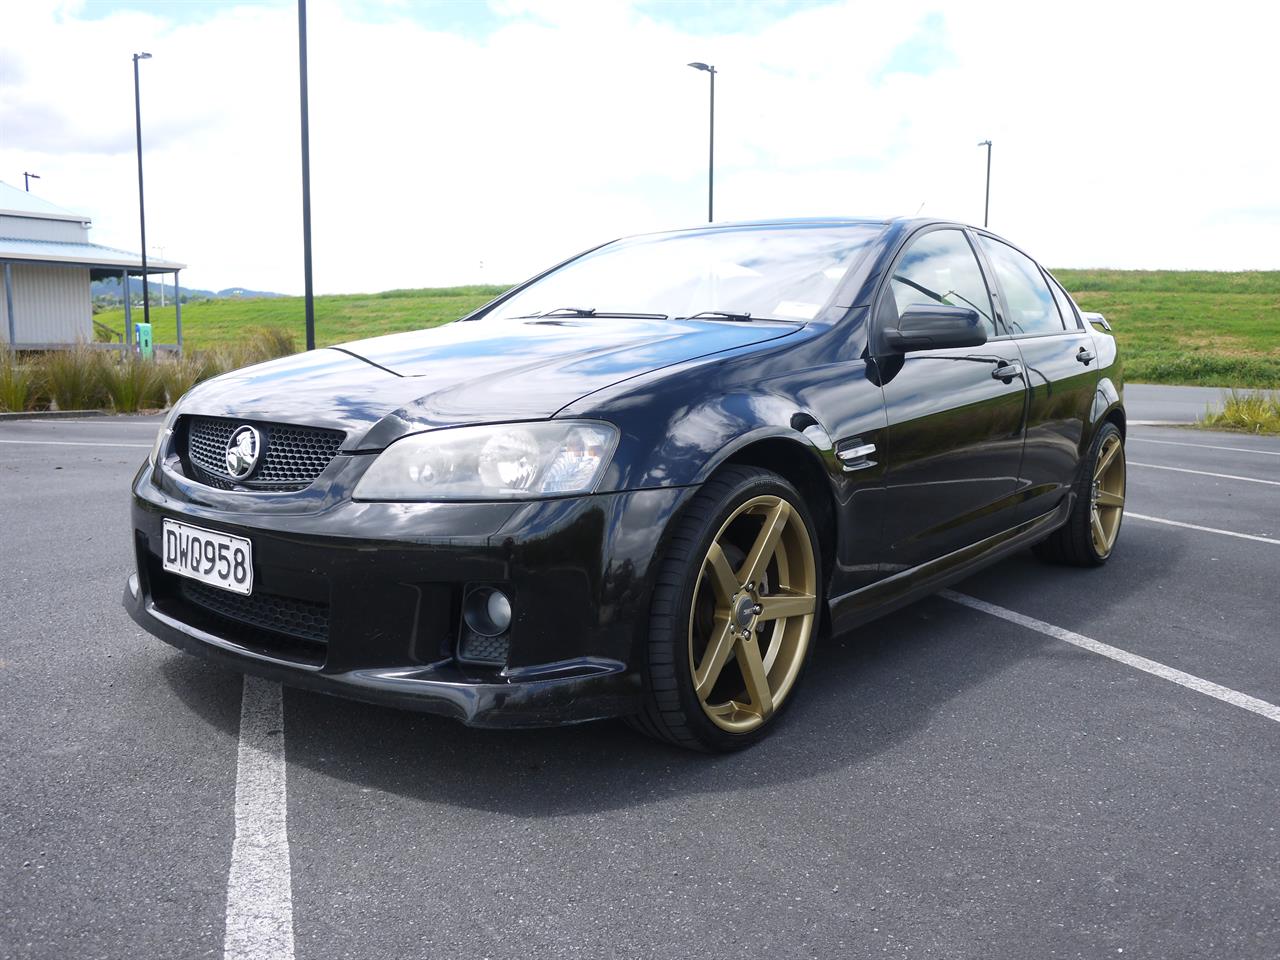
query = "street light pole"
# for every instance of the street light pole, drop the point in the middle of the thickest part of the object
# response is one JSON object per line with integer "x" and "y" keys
{"x": 27, "y": 178}
{"x": 986, "y": 207}
{"x": 309, "y": 293}
{"x": 142, "y": 210}
{"x": 711, "y": 140}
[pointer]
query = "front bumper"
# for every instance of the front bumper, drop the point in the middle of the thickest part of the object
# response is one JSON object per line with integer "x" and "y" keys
{"x": 390, "y": 578}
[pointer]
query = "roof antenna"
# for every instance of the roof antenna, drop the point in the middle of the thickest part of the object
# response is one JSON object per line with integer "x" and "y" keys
{"x": 919, "y": 208}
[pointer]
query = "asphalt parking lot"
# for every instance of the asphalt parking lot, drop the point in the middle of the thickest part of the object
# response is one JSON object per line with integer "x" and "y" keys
{"x": 951, "y": 782}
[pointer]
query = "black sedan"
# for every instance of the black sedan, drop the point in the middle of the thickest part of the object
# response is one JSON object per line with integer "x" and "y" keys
{"x": 642, "y": 484}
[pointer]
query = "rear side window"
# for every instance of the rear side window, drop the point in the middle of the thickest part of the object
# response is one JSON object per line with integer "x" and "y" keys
{"x": 1029, "y": 307}
{"x": 940, "y": 267}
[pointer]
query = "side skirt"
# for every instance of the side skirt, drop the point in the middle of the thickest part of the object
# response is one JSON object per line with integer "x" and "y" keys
{"x": 873, "y": 601}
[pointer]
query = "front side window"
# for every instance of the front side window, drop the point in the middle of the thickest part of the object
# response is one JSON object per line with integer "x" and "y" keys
{"x": 1028, "y": 304}
{"x": 770, "y": 271}
{"x": 940, "y": 267}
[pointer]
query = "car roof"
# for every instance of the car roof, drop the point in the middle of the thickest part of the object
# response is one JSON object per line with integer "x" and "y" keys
{"x": 812, "y": 221}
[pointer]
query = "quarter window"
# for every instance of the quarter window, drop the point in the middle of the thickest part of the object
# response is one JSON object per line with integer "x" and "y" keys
{"x": 1070, "y": 318}
{"x": 1028, "y": 304}
{"x": 940, "y": 267}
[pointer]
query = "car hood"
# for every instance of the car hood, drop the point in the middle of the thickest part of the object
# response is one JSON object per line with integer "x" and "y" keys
{"x": 463, "y": 372}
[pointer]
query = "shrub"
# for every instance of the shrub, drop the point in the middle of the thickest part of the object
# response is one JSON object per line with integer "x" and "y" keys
{"x": 178, "y": 375}
{"x": 73, "y": 378}
{"x": 268, "y": 343}
{"x": 132, "y": 383}
{"x": 1251, "y": 412}
{"x": 16, "y": 383}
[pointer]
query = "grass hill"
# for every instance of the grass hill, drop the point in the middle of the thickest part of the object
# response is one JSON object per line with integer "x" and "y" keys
{"x": 1199, "y": 327}
{"x": 1208, "y": 328}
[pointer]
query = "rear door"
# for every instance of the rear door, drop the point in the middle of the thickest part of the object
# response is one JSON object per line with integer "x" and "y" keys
{"x": 1061, "y": 368}
{"x": 955, "y": 416}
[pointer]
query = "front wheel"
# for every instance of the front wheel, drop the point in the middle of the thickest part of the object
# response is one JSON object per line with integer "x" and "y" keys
{"x": 1089, "y": 536}
{"x": 734, "y": 609}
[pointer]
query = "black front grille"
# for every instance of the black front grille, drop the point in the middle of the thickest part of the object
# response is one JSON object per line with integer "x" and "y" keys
{"x": 290, "y": 457}
{"x": 287, "y": 616}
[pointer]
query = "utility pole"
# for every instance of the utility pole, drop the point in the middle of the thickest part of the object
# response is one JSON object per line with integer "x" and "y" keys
{"x": 142, "y": 209}
{"x": 27, "y": 178}
{"x": 306, "y": 177}
{"x": 711, "y": 139}
{"x": 986, "y": 207}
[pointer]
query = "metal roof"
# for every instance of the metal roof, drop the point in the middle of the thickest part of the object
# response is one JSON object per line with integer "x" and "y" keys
{"x": 80, "y": 254}
{"x": 20, "y": 203}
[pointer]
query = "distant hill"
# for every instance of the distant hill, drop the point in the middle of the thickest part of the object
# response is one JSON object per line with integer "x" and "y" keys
{"x": 111, "y": 291}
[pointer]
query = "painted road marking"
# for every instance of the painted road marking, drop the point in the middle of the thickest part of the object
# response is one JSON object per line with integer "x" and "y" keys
{"x": 76, "y": 443}
{"x": 1206, "y": 446}
{"x": 1203, "y": 473}
{"x": 1234, "y": 697}
{"x": 259, "y": 888}
{"x": 1196, "y": 526}
{"x": 95, "y": 422}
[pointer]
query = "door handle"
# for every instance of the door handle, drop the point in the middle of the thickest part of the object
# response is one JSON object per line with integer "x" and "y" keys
{"x": 1085, "y": 356}
{"x": 1006, "y": 370}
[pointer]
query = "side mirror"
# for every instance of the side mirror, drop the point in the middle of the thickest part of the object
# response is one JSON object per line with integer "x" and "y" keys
{"x": 934, "y": 326}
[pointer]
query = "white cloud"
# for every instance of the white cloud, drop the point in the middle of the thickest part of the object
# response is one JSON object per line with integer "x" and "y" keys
{"x": 1125, "y": 135}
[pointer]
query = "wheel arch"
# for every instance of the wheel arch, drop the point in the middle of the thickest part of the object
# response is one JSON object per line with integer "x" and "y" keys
{"x": 800, "y": 464}
{"x": 1108, "y": 406}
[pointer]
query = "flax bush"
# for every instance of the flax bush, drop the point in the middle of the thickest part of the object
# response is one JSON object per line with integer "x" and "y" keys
{"x": 132, "y": 383}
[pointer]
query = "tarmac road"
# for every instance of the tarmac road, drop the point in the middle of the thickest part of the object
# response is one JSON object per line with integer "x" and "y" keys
{"x": 948, "y": 783}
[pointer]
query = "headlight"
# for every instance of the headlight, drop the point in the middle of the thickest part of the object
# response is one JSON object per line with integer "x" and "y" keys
{"x": 510, "y": 461}
{"x": 163, "y": 435}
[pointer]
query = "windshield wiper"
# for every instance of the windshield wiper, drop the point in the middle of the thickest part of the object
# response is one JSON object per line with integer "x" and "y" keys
{"x": 589, "y": 312}
{"x": 718, "y": 315}
{"x": 735, "y": 317}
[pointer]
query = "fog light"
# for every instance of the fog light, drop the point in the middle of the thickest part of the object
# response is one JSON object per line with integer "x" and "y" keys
{"x": 487, "y": 612}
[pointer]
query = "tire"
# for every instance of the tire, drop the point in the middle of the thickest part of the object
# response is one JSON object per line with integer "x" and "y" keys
{"x": 1077, "y": 542}
{"x": 762, "y": 625}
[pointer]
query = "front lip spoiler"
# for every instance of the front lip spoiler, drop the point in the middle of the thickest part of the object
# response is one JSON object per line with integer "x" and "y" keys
{"x": 567, "y": 693}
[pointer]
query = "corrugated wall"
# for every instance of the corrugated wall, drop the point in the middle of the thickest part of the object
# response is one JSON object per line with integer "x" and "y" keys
{"x": 31, "y": 228}
{"x": 50, "y": 305}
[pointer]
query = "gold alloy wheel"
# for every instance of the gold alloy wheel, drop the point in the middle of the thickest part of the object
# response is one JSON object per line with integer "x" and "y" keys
{"x": 752, "y": 613}
{"x": 1108, "y": 495}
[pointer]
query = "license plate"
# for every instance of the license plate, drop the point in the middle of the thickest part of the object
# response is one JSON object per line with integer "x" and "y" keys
{"x": 217, "y": 559}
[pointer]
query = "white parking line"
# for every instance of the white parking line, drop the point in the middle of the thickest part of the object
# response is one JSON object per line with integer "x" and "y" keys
{"x": 1234, "y": 697}
{"x": 96, "y": 422}
{"x": 259, "y": 888}
{"x": 1204, "y": 446}
{"x": 75, "y": 443}
{"x": 1203, "y": 473}
{"x": 1196, "y": 526}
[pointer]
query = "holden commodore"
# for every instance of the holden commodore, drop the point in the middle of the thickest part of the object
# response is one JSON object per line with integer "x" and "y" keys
{"x": 642, "y": 484}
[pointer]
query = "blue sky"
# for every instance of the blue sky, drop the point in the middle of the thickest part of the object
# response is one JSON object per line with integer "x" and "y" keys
{"x": 459, "y": 142}
{"x": 477, "y": 18}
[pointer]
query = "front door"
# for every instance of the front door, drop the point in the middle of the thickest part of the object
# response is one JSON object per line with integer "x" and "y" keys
{"x": 955, "y": 416}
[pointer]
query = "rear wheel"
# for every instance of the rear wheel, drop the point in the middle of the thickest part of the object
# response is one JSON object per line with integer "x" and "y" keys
{"x": 734, "y": 609}
{"x": 1089, "y": 536}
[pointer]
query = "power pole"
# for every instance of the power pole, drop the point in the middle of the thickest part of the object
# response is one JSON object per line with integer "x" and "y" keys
{"x": 986, "y": 207}
{"x": 306, "y": 176}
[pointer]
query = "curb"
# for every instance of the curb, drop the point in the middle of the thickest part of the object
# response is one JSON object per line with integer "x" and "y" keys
{"x": 51, "y": 414}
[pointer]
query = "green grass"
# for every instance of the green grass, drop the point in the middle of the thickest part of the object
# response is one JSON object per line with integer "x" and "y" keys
{"x": 222, "y": 323}
{"x": 1196, "y": 327}
{"x": 1193, "y": 327}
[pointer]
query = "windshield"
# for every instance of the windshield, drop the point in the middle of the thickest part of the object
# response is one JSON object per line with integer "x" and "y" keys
{"x": 782, "y": 272}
